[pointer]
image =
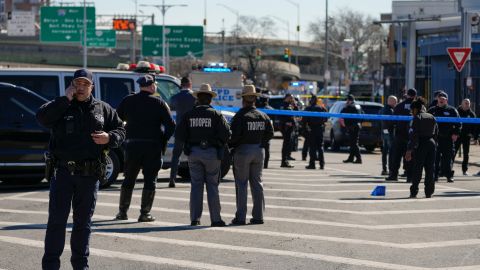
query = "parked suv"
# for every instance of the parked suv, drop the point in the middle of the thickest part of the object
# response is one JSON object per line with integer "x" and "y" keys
{"x": 370, "y": 133}
{"x": 22, "y": 140}
{"x": 111, "y": 86}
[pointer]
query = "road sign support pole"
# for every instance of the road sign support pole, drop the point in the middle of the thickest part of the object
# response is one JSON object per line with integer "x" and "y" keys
{"x": 84, "y": 34}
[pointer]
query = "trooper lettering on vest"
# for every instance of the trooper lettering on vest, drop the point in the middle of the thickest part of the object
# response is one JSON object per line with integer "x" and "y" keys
{"x": 200, "y": 122}
{"x": 255, "y": 126}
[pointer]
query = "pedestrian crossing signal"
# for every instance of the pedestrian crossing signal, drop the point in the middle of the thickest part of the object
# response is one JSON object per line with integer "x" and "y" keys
{"x": 379, "y": 191}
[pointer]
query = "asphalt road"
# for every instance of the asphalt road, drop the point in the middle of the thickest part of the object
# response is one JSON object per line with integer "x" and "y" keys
{"x": 314, "y": 220}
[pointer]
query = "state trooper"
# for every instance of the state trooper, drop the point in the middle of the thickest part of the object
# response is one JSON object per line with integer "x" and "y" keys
{"x": 287, "y": 127}
{"x": 82, "y": 130}
{"x": 401, "y": 138}
{"x": 315, "y": 127}
{"x": 251, "y": 130}
{"x": 205, "y": 133}
{"x": 467, "y": 132}
{"x": 353, "y": 129}
{"x": 447, "y": 135}
{"x": 181, "y": 103}
{"x": 145, "y": 115}
{"x": 421, "y": 147}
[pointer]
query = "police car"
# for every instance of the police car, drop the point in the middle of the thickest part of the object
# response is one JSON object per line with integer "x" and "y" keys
{"x": 111, "y": 86}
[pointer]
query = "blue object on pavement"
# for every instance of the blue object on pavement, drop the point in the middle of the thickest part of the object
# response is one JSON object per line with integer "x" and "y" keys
{"x": 379, "y": 191}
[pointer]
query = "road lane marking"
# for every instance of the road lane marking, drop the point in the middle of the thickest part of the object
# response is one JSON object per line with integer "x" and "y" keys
{"x": 19, "y": 195}
{"x": 304, "y": 221}
{"x": 126, "y": 256}
{"x": 420, "y": 245}
{"x": 328, "y": 210}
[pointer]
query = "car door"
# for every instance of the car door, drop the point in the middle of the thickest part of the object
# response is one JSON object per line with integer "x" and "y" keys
{"x": 22, "y": 140}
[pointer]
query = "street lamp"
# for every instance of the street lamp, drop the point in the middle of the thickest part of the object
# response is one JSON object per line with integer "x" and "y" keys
{"x": 234, "y": 11}
{"x": 163, "y": 8}
{"x": 297, "y": 5}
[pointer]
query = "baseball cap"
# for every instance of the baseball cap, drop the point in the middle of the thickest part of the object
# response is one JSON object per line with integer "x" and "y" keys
{"x": 442, "y": 94}
{"x": 412, "y": 92}
{"x": 146, "y": 80}
{"x": 83, "y": 74}
{"x": 351, "y": 97}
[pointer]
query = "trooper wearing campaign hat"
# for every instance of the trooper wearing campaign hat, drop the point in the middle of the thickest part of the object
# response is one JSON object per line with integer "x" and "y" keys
{"x": 204, "y": 133}
{"x": 251, "y": 131}
{"x": 82, "y": 129}
{"x": 145, "y": 114}
{"x": 448, "y": 134}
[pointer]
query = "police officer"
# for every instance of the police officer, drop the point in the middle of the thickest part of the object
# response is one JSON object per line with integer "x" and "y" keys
{"x": 287, "y": 127}
{"x": 145, "y": 115}
{"x": 467, "y": 132}
{"x": 401, "y": 138}
{"x": 263, "y": 104}
{"x": 315, "y": 127}
{"x": 205, "y": 133}
{"x": 83, "y": 129}
{"x": 251, "y": 130}
{"x": 387, "y": 134}
{"x": 447, "y": 135}
{"x": 353, "y": 129}
{"x": 421, "y": 147}
{"x": 181, "y": 103}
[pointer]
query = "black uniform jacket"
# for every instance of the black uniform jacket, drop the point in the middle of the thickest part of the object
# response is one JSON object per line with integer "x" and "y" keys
{"x": 402, "y": 127}
{"x": 423, "y": 127}
{"x": 145, "y": 115}
{"x": 72, "y": 124}
{"x": 354, "y": 109}
{"x": 250, "y": 126}
{"x": 203, "y": 123}
{"x": 468, "y": 129}
{"x": 446, "y": 129}
{"x": 311, "y": 121}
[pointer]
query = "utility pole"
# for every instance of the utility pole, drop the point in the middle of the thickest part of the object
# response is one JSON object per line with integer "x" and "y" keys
{"x": 234, "y": 11}
{"x": 85, "y": 50}
{"x": 297, "y": 5}
{"x": 163, "y": 9}
{"x": 325, "y": 75}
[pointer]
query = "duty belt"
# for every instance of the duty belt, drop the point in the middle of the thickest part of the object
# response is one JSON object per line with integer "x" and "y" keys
{"x": 81, "y": 167}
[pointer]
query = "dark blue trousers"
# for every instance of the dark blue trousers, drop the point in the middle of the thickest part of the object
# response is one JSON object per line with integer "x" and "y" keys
{"x": 79, "y": 193}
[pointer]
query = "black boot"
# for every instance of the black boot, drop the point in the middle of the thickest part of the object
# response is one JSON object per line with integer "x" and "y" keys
{"x": 147, "y": 202}
{"x": 285, "y": 164}
{"x": 171, "y": 184}
{"x": 125, "y": 199}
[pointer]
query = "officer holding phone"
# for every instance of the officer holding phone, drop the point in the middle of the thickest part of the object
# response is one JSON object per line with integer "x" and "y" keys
{"x": 83, "y": 128}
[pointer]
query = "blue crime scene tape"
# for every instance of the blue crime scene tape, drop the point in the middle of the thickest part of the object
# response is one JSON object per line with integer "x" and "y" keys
{"x": 355, "y": 116}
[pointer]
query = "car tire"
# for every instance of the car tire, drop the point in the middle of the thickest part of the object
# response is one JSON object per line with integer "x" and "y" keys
{"x": 334, "y": 146}
{"x": 369, "y": 148}
{"x": 226, "y": 163}
{"x": 113, "y": 168}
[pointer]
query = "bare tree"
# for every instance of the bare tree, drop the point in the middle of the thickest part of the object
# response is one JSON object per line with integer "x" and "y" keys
{"x": 348, "y": 24}
{"x": 252, "y": 34}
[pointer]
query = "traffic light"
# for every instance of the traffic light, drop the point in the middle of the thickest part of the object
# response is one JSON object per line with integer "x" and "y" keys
{"x": 258, "y": 53}
{"x": 286, "y": 53}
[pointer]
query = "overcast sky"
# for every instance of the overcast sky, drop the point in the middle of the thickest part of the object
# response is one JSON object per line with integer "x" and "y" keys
{"x": 193, "y": 14}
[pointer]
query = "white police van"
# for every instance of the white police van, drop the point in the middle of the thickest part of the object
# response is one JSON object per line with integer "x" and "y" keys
{"x": 111, "y": 86}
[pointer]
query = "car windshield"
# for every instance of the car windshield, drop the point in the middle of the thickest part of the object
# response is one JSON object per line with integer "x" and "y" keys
{"x": 369, "y": 109}
{"x": 166, "y": 89}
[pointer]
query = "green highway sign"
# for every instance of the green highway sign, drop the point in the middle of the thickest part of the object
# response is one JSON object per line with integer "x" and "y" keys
{"x": 182, "y": 40}
{"x": 102, "y": 38}
{"x": 64, "y": 24}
